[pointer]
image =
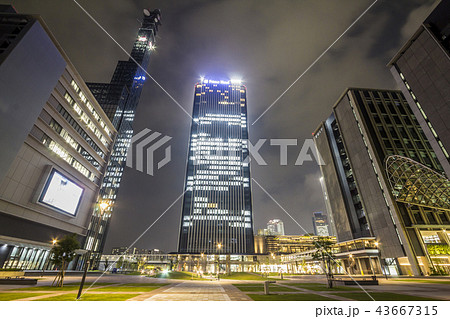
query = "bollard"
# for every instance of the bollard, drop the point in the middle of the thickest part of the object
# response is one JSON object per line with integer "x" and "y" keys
{"x": 266, "y": 286}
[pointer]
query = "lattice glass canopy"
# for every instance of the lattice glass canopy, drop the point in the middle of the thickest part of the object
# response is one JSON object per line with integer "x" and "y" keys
{"x": 414, "y": 183}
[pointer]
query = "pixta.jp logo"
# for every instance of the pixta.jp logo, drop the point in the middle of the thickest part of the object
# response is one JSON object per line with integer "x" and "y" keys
{"x": 141, "y": 153}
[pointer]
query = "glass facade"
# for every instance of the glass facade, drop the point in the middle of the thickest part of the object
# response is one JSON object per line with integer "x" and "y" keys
{"x": 27, "y": 258}
{"x": 217, "y": 207}
{"x": 119, "y": 99}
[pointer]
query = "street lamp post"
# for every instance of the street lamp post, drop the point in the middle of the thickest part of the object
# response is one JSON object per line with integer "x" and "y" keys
{"x": 103, "y": 206}
{"x": 219, "y": 246}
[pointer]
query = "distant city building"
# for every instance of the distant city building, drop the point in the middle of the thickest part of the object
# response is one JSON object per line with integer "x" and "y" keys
{"x": 422, "y": 69}
{"x": 119, "y": 250}
{"x": 119, "y": 99}
{"x": 55, "y": 141}
{"x": 286, "y": 244}
{"x": 135, "y": 262}
{"x": 217, "y": 208}
{"x": 275, "y": 227}
{"x": 384, "y": 183}
{"x": 135, "y": 251}
{"x": 320, "y": 224}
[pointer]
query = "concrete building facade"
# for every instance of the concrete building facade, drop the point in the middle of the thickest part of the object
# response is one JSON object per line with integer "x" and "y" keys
{"x": 422, "y": 70}
{"x": 366, "y": 128}
{"x": 55, "y": 140}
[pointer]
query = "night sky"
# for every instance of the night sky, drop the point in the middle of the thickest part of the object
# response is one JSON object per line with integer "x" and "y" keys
{"x": 266, "y": 43}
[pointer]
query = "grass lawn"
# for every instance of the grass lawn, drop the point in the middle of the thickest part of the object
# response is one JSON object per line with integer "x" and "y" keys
{"x": 126, "y": 288}
{"x": 149, "y": 284}
{"x": 426, "y": 281}
{"x": 89, "y": 283}
{"x": 290, "y": 297}
{"x": 17, "y": 295}
{"x": 322, "y": 287}
{"x": 182, "y": 275}
{"x": 134, "y": 273}
{"x": 260, "y": 287}
{"x": 66, "y": 287}
{"x": 242, "y": 276}
{"x": 271, "y": 274}
{"x": 91, "y": 297}
{"x": 382, "y": 296}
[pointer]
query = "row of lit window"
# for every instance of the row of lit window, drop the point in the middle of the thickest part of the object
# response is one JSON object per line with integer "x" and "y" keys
{"x": 227, "y": 167}
{"x": 229, "y": 158}
{"x": 217, "y": 217}
{"x": 85, "y": 118}
{"x": 80, "y": 130}
{"x": 233, "y": 224}
{"x": 223, "y": 162}
{"x": 61, "y": 152}
{"x": 213, "y": 182}
{"x": 69, "y": 139}
{"x": 215, "y": 144}
{"x": 89, "y": 106}
{"x": 216, "y": 172}
{"x": 208, "y": 188}
{"x": 210, "y": 122}
{"x": 222, "y": 116}
{"x": 235, "y": 148}
{"x": 215, "y": 140}
{"x": 199, "y": 211}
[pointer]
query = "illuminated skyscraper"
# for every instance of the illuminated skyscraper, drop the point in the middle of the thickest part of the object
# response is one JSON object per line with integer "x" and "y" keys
{"x": 217, "y": 207}
{"x": 119, "y": 99}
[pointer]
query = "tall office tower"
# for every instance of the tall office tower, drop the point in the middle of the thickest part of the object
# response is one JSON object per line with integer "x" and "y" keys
{"x": 119, "y": 99}
{"x": 383, "y": 182}
{"x": 275, "y": 227}
{"x": 320, "y": 224}
{"x": 422, "y": 70}
{"x": 55, "y": 142}
{"x": 217, "y": 207}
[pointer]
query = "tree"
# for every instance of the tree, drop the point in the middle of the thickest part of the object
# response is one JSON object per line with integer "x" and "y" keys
{"x": 324, "y": 253}
{"x": 106, "y": 264}
{"x": 119, "y": 263}
{"x": 62, "y": 254}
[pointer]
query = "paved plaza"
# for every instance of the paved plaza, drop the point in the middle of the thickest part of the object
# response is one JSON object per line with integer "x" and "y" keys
{"x": 141, "y": 288}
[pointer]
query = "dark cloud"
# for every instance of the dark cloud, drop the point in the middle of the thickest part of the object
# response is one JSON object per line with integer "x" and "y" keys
{"x": 269, "y": 44}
